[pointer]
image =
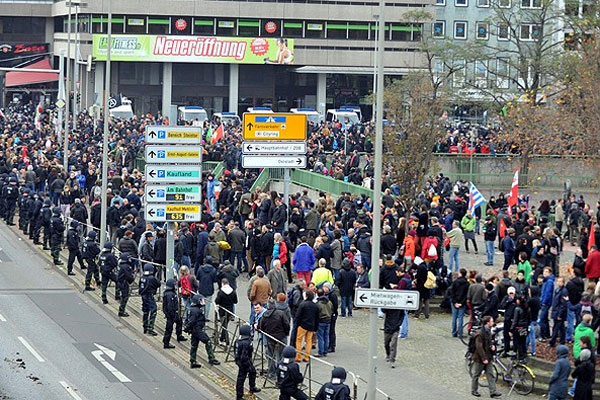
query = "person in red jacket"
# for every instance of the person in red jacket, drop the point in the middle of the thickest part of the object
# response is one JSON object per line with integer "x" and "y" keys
{"x": 592, "y": 264}
{"x": 429, "y": 251}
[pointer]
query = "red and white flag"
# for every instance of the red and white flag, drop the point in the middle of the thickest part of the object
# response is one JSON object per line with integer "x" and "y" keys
{"x": 513, "y": 199}
{"x": 217, "y": 134}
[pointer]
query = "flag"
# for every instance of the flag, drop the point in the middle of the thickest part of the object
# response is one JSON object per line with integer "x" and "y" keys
{"x": 218, "y": 134}
{"x": 38, "y": 115}
{"x": 513, "y": 199}
{"x": 208, "y": 135}
{"x": 502, "y": 228}
{"x": 592, "y": 239}
{"x": 476, "y": 199}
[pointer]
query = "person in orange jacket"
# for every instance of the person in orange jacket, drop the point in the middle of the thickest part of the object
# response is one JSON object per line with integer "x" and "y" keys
{"x": 409, "y": 247}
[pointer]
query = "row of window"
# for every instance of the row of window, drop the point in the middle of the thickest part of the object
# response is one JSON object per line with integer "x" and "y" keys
{"x": 487, "y": 3}
{"x": 526, "y": 31}
{"x": 481, "y": 74}
{"x": 311, "y": 29}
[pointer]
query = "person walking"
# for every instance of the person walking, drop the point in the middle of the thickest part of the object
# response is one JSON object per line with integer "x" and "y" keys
{"x": 195, "y": 326}
{"x": 226, "y": 300}
{"x": 170, "y": 307}
{"x": 483, "y": 358}
{"x": 243, "y": 350}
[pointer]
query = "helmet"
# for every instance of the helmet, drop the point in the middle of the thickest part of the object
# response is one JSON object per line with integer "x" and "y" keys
{"x": 197, "y": 299}
{"x": 148, "y": 269}
{"x": 339, "y": 373}
{"x": 125, "y": 257}
{"x": 170, "y": 284}
{"x": 74, "y": 224}
{"x": 47, "y": 202}
{"x": 289, "y": 352}
{"x": 56, "y": 211}
{"x": 245, "y": 330}
{"x": 26, "y": 191}
{"x": 12, "y": 180}
{"x": 108, "y": 245}
{"x": 92, "y": 235}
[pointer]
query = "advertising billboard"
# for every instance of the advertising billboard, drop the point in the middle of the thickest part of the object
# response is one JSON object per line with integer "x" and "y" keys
{"x": 195, "y": 49}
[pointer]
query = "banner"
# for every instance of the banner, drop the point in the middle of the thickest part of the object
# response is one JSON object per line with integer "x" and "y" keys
{"x": 195, "y": 49}
{"x": 22, "y": 50}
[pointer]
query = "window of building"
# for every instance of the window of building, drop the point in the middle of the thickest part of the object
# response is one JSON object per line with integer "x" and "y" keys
{"x": 248, "y": 27}
{"x": 502, "y": 74}
{"x": 337, "y": 30}
{"x": 503, "y": 32}
{"x": 226, "y": 27}
{"x": 572, "y": 8}
{"x": 135, "y": 24}
{"x": 293, "y": 29}
{"x": 204, "y": 26}
{"x": 530, "y": 31}
{"x": 83, "y": 23}
{"x": 100, "y": 24}
{"x": 358, "y": 31}
{"x": 375, "y": 30}
{"x": 461, "y": 3}
{"x": 483, "y": 3}
{"x": 440, "y": 2}
{"x": 504, "y": 3}
{"x": 439, "y": 29}
{"x": 531, "y": 3}
{"x": 159, "y": 26}
{"x": 482, "y": 30}
{"x": 458, "y": 77}
{"x": 481, "y": 74}
{"x": 181, "y": 25}
{"x": 314, "y": 30}
{"x": 460, "y": 29}
{"x": 272, "y": 27}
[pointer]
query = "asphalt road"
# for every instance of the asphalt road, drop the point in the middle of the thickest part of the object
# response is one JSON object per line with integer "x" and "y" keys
{"x": 56, "y": 344}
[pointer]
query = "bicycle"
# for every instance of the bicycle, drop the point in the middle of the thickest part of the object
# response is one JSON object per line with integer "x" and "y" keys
{"x": 470, "y": 328}
{"x": 518, "y": 375}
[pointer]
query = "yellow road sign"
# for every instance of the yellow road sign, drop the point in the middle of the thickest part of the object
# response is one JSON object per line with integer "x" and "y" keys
{"x": 286, "y": 126}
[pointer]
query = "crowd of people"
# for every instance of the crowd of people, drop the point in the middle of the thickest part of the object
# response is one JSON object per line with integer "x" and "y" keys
{"x": 303, "y": 261}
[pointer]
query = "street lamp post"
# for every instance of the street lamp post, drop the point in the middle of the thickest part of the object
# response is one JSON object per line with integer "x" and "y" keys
{"x": 104, "y": 205}
{"x": 68, "y": 97}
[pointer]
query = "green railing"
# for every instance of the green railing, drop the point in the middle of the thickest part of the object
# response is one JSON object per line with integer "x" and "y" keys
{"x": 218, "y": 170}
{"x": 261, "y": 180}
{"x": 504, "y": 181}
{"x": 326, "y": 184}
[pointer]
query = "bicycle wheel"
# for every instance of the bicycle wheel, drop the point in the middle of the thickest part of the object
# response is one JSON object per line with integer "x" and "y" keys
{"x": 483, "y": 381}
{"x": 523, "y": 379}
{"x": 467, "y": 330}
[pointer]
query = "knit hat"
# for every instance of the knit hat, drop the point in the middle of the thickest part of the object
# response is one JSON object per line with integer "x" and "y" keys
{"x": 585, "y": 354}
{"x": 412, "y": 233}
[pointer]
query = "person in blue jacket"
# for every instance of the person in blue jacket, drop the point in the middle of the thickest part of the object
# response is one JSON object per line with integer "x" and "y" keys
{"x": 509, "y": 248}
{"x": 559, "y": 311}
{"x": 558, "y": 384}
{"x": 546, "y": 302}
{"x": 304, "y": 260}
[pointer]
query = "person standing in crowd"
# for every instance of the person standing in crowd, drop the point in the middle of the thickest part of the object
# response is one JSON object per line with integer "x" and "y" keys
{"x": 508, "y": 245}
{"x": 346, "y": 282}
{"x": 277, "y": 326}
{"x": 148, "y": 286}
{"x": 558, "y": 384}
{"x": 489, "y": 236}
{"x": 458, "y": 301}
{"x": 546, "y": 302}
{"x": 195, "y": 326}
{"x": 559, "y": 312}
{"x": 108, "y": 264}
{"x": 89, "y": 253}
{"x": 206, "y": 276}
{"x": 456, "y": 238}
{"x": 289, "y": 377}
{"x": 226, "y": 300}
{"x": 307, "y": 320}
{"x": 73, "y": 247}
{"x": 304, "y": 260}
{"x": 276, "y": 279}
{"x": 243, "y": 355}
{"x": 170, "y": 307}
{"x": 483, "y": 358}
{"x": 125, "y": 278}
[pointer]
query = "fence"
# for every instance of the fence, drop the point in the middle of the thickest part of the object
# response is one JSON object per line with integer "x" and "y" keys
{"x": 228, "y": 328}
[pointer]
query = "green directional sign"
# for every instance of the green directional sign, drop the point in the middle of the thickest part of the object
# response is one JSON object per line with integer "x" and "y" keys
{"x": 173, "y": 174}
{"x": 173, "y": 194}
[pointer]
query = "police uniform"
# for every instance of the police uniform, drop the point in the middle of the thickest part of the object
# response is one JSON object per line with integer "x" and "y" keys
{"x": 35, "y": 222}
{"x": 243, "y": 350}
{"x": 23, "y": 202}
{"x": 73, "y": 247}
{"x": 336, "y": 389}
{"x": 45, "y": 220}
{"x": 108, "y": 264}
{"x": 195, "y": 326}
{"x": 289, "y": 376}
{"x": 11, "y": 194}
{"x": 124, "y": 279}
{"x": 90, "y": 252}
{"x": 170, "y": 307}
{"x": 148, "y": 287}
{"x": 57, "y": 229}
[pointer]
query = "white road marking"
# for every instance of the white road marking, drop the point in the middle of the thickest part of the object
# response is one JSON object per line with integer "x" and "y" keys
{"x": 31, "y": 349}
{"x": 2, "y": 318}
{"x": 118, "y": 374}
{"x": 70, "y": 390}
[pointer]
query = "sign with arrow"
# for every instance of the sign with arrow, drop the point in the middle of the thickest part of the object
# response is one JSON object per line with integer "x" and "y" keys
{"x": 174, "y": 194}
{"x": 173, "y": 173}
{"x": 172, "y": 212}
{"x": 285, "y": 126}
{"x": 158, "y": 134}
{"x": 104, "y": 351}
{"x": 174, "y": 154}
{"x": 252, "y": 147}
{"x": 379, "y": 298}
{"x": 280, "y": 161}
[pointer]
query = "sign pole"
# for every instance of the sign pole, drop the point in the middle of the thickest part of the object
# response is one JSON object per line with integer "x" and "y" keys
{"x": 286, "y": 195}
{"x": 171, "y": 225}
{"x": 61, "y": 93}
{"x": 76, "y": 69}
{"x": 104, "y": 205}
{"x": 67, "y": 113}
{"x": 373, "y": 325}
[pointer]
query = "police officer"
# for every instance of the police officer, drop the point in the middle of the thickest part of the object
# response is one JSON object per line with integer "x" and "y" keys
{"x": 124, "y": 279}
{"x": 108, "y": 264}
{"x": 22, "y": 201}
{"x": 11, "y": 194}
{"x": 336, "y": 389}
{"x": 170, "y": 307}
{"x": 195, "y": 326}
{"x": 57, "y": 230}
{"x": 289, "y": 376}
{"x": 3, "y": 185}
{"x": 90, "y": 252}
{"x": 35, "y": 222}
{"x": 73, "y": 247}
{"x": 148, "y": 287}
{"x": 243, "y": 350}
{"x": 45, "y": 220}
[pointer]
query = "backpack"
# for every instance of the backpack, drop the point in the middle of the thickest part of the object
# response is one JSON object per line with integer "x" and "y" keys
{"x": 224, "y": 245}
{"x": 186, "y": 286}
{"x": 586, "y": 308}
{"x": 346, "y": 243}
{"x": 501, "y": 246}
{"x": 472, "y": 346}
{"x": 430, "y": 283}
{"x": 290, "y": 297}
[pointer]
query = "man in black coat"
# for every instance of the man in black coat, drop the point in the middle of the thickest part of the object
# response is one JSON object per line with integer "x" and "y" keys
{"x": 108, "y": 263}
{"x": 307, "y": 320}
{"x": 89, "y": 253}
{"x": 57, "y": 229}
{"x": 195, "y": 326}
{"x": 125, "y": 278}
{"x": 243, "y": 350}
{"x": 274, "y": 323}
{"x": 35, "y": 222}
{"x": 170, "y": 307}
{"x": 279, "y": 216}
{"x": 73, "y": 247}
{"x": 46, "y": 218}
{"x": 458, "y": 300}
{"x": 148, "y": 287}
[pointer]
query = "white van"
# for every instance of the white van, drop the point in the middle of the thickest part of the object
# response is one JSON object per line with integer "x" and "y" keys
{"x": 124, "y": 111}
{"x": 312, "y": 115}
{"x": 344, "y": 116}
{"x": 194, "y": 114}
{"x": 227, "y": 117}
{"x": 260, "y": 110}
